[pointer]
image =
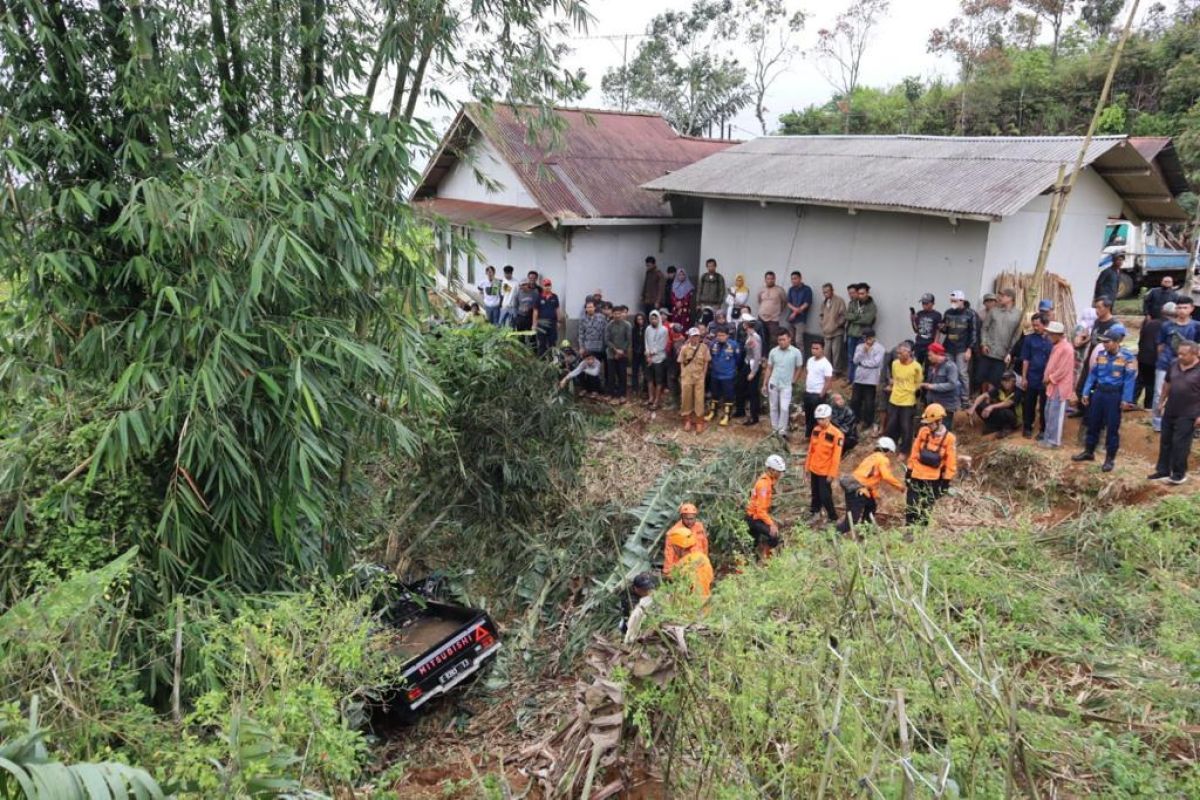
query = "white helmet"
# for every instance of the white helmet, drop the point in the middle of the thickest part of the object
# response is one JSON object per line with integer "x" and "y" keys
{"x": 823, "y": 411}
{"x": 886, "y": 443}
{"x": 776, "y": 463}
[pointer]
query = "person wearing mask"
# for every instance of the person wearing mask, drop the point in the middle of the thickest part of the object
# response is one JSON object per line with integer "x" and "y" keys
{"x": 1107, "y": 391}
{"x": 694, "y": 357}
{"x": 1148, "y": 354}
{"x": 593, "y": 338}
{"x": 999, "y": 407}
{"x": 1035, "y": 355}
{"x": 747, "y": 389}
{"x": 737, "y": 297}
{"x": 618, "y": 341}
{"x": 1180, "y": 329}
{"x": 1000, "y": 330}
{"x": 926, "y": 324}
{"x": 833, "y": 327}
{"x": 861, "y": 314}
{"x": 825, "y": 443}
{"x": 818, "y": 378}
{"x": 653, "y": 286}
{"x": 799, "y": 301}
{"x": 1059, "y": 379}
{"x": 961, "y": 334}
{"x": 656, "y": 360}
{"x": 683, "y": 293}
{"x": 868, "y": 362}
{"x": 1108, "y": 282}
{"x": 545, "y": 318}
{"x": 862, "y": 486}
{"x": 903, "y": 384}
{"x": 932, "y": 464}
{"x": 784, "y": 364}
{"x": 941, "y": 384}
{"x": 1179, "y": 407}
{"x": 763, "y": 527}
{"x": 1157, "y": 297}
{"x": 711, "y": 294}
{"x": 772, "y": 300}
{"x": 689, "y": 517}
{"x": 689, "y": 562}
{"x": 726, "y": 356}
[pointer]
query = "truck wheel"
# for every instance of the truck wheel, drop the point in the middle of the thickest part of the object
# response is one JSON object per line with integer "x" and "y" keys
{"x": 1125, "y": 286}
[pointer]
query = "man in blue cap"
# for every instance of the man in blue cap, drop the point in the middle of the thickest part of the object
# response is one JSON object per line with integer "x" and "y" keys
{"x": 1108, "y": 391}
{"x": 1046, "y": 307}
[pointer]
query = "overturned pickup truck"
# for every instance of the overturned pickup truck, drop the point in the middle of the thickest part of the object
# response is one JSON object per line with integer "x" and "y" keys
{"x": 441, "y": 645}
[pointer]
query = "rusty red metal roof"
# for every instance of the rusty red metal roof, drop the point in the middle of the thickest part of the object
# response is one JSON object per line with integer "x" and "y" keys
{"x": 590, "y": 164}
{"x": 501, "y": 218}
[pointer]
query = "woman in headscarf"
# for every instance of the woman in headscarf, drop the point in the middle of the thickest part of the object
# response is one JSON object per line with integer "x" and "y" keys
{"x": 682, "y": 293}
{"x": 738, "y": 296}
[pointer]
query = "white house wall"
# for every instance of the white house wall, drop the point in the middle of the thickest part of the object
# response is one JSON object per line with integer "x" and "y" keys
{"x": 1013, "y": 243}
{"x": 460, "y": 182}
{"x": 899, "y": 255}
{"x": 609, "y": 258}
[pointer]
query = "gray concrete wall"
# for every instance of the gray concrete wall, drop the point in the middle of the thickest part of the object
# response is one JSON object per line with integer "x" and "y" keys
{"x": 1014, "y": 242}
{"x": 900, "y": 255}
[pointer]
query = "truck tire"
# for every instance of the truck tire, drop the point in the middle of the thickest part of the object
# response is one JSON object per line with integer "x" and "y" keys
{"x": 1125, "y": 286}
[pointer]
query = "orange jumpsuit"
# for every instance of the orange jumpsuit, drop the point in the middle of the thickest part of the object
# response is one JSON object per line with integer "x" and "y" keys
{"x": 697, "y": 529}
{"x": 758, "y": 514}
{"x": 822, "y": 464}
{"x": 927, "y": 484}
{"x": 697, "y": 565}
{"x": 873, "y": 471}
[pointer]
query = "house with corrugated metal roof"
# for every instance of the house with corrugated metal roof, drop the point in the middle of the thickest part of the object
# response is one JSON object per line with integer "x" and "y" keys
{"x": 563, "y": 199}
{"x": 915, "y": 214}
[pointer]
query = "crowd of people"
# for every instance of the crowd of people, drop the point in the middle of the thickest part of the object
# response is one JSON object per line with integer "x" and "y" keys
{"x": 715, "y": 350}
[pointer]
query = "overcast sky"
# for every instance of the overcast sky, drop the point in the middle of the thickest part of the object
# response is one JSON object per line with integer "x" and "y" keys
{"x": 896, "y": 50}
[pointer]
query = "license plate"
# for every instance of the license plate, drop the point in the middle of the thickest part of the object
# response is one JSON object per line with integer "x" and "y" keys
{"x": 453, "y": 672}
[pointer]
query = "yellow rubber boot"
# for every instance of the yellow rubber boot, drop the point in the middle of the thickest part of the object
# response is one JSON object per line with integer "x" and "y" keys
{"x": 726, "y": 411}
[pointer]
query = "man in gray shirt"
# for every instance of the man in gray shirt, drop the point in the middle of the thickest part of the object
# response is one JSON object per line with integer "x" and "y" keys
{"x": 941, "y": 382}
{"x": 618, "y": 340}
{"x": 1000, "y": 330}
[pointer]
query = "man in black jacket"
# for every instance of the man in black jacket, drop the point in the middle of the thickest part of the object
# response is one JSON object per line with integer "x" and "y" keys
{"x": 1108, "y": 282}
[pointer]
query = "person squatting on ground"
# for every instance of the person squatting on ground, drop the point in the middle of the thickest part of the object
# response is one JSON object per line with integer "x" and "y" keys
{"x": 726, "y": 356}
{"x": 759, "y": 521}
{"x": 689, "y": 561}
{"x": 1107, "y": 391}
{"x": 999, "y": 407}
{"x": 694, "y": 357}
{"x": 749, "y": 373}
{"x": 862, "y": 486}
{"x": 1179, "y": 408}
{"x": 783, "y": 369}
{"x": 824, "y": 460}
{"x": 635, "y": 603}
{"x": 585, "y": 374}
{"x": 931, "y": 466}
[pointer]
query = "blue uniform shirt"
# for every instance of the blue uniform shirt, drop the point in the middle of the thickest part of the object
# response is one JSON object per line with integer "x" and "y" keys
{"x": 1036, "y": 351}
{"x": 725, "y": 358}
{"x": 1114, "y": 370}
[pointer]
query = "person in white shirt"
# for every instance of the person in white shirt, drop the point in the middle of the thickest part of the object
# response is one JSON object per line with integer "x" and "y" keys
{"x": 589, "y": 366}
{"x": 818, "y": 376}
{"x": 656, "y": 359}
{"x": 508, "y": 297}
{"x": 492, "y": 289}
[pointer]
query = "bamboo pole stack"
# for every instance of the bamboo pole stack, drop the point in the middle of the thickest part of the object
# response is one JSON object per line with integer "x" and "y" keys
{"x": 1051, "y": 287}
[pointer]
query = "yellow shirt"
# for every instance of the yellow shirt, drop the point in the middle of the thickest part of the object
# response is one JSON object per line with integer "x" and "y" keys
{"x": 905, "y": 382}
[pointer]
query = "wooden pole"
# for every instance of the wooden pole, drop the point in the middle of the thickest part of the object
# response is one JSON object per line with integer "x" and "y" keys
{"x": 1055, "y": 218}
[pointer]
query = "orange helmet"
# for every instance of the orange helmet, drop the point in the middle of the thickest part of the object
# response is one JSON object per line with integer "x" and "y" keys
{"x": 688, "y": 508}
{"x": 682, "y": 537}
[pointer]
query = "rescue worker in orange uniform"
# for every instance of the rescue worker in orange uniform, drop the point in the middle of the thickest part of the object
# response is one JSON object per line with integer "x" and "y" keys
{"x": 688, "y": 518}
{"x": 689, "y": 561}
{"x": 758, "y": 512}
{"x": 932, "y": 464}
{"x": 822, "y": 464}
{"x": 862, "y": 487}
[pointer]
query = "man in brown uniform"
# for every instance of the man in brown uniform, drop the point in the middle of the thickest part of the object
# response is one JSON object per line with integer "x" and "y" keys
{"x": 694, "y": 356}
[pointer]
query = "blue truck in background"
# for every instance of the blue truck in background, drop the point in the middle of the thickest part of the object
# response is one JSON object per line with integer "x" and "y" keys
{"x": 1150, "y": 253}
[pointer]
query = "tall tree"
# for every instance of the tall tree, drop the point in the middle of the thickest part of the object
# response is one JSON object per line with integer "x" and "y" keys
{"x": 842, "y": 47}
{"x": 1054, "y": 13}
{"x": 974, "y": 37}
{"x": 685, "y": 70}
{"x": 1099, "y": 16}
{"x": 768, "y": 31}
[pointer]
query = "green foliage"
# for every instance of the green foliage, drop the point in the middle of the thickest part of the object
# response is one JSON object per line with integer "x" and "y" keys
{"x": 1019, "y": 655}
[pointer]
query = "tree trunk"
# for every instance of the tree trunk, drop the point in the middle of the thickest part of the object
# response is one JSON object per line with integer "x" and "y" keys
{"x": 237, "y": 58}
{"x": 385, "y": 40}
{"x": 225, "y": 89}
{"x": 276, "y": 68}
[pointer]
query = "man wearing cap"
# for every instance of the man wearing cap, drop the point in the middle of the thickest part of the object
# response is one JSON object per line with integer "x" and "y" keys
{"x": 1046, "y": 307}
{"x": 833, "y": 326}
{"x": 784, "y": 364}
{"x": 1059, "y": 379}
{"x": 941, "y": 383}
{"x": 1180, "y": 329}
{"x": 1108, "y": 282}
{"x": 1106, "y": 392}
{"x": 545, "y": 318}
{"x": 825, "y": 444}
{"x": 761, "y": 524}
{"x": 961, "y": 328}
{"x": 1000, "y": 330}
{"x": 1000, "y": 406}
{"x": 925, "y": 324}
{"x": 747, "y": 390}
{"x": 653, "y": 286}
{"x": 694, "y": 357}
